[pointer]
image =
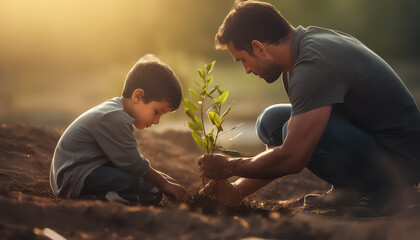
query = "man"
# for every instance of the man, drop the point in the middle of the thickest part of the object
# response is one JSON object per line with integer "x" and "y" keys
{"x": 352, "y": 121}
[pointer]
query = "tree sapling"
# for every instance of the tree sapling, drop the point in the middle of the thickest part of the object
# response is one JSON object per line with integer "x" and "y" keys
{"x": 215, "y": 97}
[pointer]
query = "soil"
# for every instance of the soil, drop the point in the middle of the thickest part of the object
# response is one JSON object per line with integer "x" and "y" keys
{"x": 29, "y": 210}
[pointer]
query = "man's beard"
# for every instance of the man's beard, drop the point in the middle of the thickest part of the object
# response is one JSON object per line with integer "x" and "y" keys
{"x": 272, "y": 74}
{"x": 272, "y": 77}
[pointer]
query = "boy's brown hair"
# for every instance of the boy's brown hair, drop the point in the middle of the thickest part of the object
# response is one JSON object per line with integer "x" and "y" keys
{"x": 252, "y": 20}
{"x": 156, "y": 79}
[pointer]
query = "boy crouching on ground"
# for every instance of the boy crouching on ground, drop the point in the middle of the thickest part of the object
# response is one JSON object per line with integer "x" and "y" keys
{"x": 97, "y": 154}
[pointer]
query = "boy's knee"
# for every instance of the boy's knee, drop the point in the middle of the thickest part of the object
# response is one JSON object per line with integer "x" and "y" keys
{"x": 269, "y": 125}
{"x": 130, "y": 182}
{"x": 146, "y": 195}
{"x": 151, "y": 196}
{"x": 156, "y": 197}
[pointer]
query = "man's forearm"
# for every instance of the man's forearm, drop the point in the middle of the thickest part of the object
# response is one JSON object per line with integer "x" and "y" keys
{"x": 270, "y": 164}
{"x": 247, "y": 186}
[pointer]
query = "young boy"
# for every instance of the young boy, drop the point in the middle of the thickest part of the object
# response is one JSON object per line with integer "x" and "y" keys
{"x": 97, "y": 155}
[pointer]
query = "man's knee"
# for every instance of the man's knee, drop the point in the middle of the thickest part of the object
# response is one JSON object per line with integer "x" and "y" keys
{"x": 269, "y": 125}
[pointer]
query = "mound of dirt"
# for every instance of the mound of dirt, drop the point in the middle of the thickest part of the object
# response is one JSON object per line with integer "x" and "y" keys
{"x": 29, "y": 210}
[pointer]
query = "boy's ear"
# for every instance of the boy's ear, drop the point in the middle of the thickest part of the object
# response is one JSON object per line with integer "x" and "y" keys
{"x": 258, "y": 48}
{"x": 137, "y": 95}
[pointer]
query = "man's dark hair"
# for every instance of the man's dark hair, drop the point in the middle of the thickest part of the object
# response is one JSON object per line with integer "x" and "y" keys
{"x": 252, "y": 20}
{"x": 156, "y": 79}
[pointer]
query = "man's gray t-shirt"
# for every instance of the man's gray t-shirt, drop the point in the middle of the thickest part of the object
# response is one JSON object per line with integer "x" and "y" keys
{"x": 333, "y": 68}
{"x": 101, "y": 135}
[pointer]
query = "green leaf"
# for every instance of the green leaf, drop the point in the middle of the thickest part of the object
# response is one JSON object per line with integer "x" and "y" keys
{"x": 202, "y": 74}
{"x": 220, "y": 91}
{"x": 228, "y": 152}
{"x": 200, "y": 142}
{"x": 214, "y": 119}
{"x": 217, "y": 106}
{"x": 204, "y": 90}
{"x": 223, "y": 97}
{"x": 197, "y": 84}
{"x": 210, "y": 133}
{"x": 210, "y": 66}
{"x": 193, "y": 126}
{"x": 232, "y": 153}
{"x": 189, "y": 113}
{"x": 210, "y": 79}
{"x": 227, "y": 110}
{"x": 219, "y": 123}
{"x": 212, "y": 116}
{"x": 190, "y": 105}
{"x": 199, "y": 123}
{"x": 210, "y": 141}
{"x": 218, "y": 120}
{"x": 195, "y": 95}
{"x": 195, "y": 119}
{"x": 220, "y": 128}
{"x": 210, "y": 138}
{"x": 213, "y": 90}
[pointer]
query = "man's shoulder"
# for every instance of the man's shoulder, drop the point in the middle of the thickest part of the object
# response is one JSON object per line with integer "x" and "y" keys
{"x": 318, "y": 40}
{"x": 317, "y": 49}
{"x": 320, "y": 33}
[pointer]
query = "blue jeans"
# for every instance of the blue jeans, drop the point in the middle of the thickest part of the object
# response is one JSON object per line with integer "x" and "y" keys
{"x": 129, "y": 186}
{"x": 345, "y": 156}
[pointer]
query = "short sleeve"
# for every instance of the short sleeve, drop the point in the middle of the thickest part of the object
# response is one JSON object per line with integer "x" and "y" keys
{"x": 313, "y": 85}
{"x": 114, "y": 135}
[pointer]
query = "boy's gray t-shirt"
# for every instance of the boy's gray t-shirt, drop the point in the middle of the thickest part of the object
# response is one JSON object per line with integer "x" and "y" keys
{"x": 100, "y": 135}
{"x": 333, "y": 68}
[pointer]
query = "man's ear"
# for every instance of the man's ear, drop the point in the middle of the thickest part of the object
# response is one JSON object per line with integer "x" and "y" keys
{"x": 137, "y": 95}
{"x": 258, "y": 48}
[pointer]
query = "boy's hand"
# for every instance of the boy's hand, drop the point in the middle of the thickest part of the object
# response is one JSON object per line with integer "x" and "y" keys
{"x": 166, "y": 184}
{"x": 167, "y": 177}
{"x": 174, "y": 191}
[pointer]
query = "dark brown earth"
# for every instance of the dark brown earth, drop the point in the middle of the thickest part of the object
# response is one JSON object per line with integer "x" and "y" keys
{"x": 27, "y": 205}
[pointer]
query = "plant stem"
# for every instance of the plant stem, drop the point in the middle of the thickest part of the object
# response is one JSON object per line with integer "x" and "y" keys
{"x": 204, "y": 131}
{"x": 202, "y": 120}
{"x": 215, "y": 141}
{"x": 204, "y": 181}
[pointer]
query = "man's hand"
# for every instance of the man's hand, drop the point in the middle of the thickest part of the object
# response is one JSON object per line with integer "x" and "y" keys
{"x": 174, "y": 191}
{"x": 215, "y": 167}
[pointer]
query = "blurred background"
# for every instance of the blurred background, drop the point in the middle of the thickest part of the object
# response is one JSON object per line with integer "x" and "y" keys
{"x": 60, "y": 58}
